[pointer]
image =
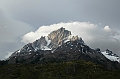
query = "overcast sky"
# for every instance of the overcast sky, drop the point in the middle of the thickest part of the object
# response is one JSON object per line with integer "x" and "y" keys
{"x": 21, "y": 20}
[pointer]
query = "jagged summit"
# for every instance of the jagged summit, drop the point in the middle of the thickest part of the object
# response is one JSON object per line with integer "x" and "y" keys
{"x": 50, "y": 42}
{"x": 57, "y": 37}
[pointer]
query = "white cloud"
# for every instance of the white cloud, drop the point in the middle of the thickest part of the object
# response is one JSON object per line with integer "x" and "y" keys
{"x": 92, "y": 34}
{"x": 84, "y": 29}
{"x": 107, "y": 28}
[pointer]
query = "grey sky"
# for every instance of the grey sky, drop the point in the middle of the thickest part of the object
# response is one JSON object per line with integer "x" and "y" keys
{"x": 43, "y": 12}
{"x": 22, "y": 16}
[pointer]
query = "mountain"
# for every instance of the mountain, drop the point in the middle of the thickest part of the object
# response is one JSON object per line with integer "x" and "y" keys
{"x": 111, "y": 56}
{"x": 60, "y": 46}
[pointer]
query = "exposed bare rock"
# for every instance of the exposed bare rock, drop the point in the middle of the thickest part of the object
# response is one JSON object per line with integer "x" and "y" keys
{"x": 57, "y": 37}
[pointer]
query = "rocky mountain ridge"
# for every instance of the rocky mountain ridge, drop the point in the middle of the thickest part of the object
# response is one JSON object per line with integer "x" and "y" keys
{"x": 50, "y": 42}
{"x": 111, "y": 56}
{"x": 59, "y": 46}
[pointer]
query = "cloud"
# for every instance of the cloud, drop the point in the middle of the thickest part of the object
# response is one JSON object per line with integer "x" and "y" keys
{"x": 107, "y": 28}
{"x": 92, "y": 34}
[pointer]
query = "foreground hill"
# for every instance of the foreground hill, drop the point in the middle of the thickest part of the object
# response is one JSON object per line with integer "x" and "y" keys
{"x": 63, "y": 70}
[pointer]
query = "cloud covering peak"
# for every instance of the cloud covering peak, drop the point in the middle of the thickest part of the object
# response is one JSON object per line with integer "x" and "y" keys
{"x": 92, "y": 34}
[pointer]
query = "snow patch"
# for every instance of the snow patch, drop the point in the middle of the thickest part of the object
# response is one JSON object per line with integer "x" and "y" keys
{"x": 18, "y": 51}
{"x": 48, "y": 41}
{"x": 68, "y": 39}
{"x": 46, "y": 47}
{"x": 36, "y": 48}
{"x": 112, "y": 58}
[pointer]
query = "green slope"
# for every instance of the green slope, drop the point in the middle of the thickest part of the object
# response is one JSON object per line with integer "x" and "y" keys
{"x": 64, "y": 70}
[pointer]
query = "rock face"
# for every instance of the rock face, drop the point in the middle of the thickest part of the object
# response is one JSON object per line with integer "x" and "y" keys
{"x": 59, "y": 46}
{"x": 57, "y": 37}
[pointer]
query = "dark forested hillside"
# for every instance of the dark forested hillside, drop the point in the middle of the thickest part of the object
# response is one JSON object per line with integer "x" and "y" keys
{"x": 62, "y": 70}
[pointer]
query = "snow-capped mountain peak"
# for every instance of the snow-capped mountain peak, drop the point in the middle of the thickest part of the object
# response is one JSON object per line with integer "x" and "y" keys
{"x": 111, "y": 56}
{"x": 50, "y": 42}
{"x": 62, "y": 40}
